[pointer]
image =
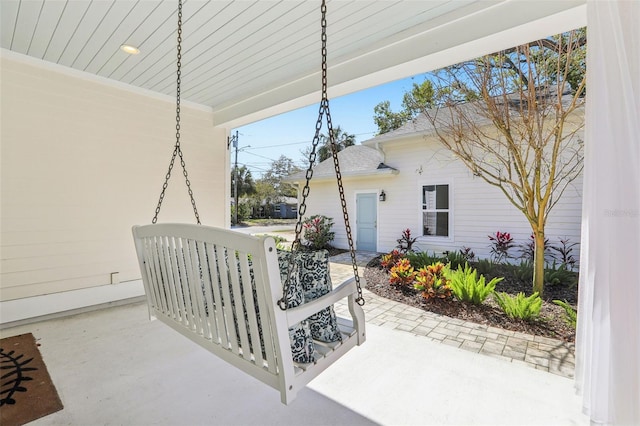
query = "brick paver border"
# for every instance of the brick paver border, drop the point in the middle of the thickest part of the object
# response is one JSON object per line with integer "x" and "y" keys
{"x": 542, "y": 353}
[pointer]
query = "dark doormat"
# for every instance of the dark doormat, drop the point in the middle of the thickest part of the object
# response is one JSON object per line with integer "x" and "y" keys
{"x": 26, "y": 390}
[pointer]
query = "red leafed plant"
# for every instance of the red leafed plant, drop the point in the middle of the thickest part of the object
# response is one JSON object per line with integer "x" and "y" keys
{"x": 406, "y": 241}
{"x": 433, "y": 282}
{"x": 317, "y": 232}
{"x": 402, "y": 273}
{"x": 501, "y": 242}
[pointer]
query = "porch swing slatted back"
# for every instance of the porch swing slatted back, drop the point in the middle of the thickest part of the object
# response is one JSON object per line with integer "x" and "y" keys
{"x": 220, "y": 289}
{"x": 193, "y": 282}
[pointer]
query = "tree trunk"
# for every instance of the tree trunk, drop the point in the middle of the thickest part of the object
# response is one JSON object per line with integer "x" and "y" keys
{"x": 538, "y": 262}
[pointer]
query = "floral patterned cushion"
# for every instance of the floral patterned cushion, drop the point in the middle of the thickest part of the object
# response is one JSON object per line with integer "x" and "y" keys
{"x": 316, "y": 282}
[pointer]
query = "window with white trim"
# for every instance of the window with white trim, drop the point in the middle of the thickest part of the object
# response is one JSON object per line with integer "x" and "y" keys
{"x": 435, "y": 210}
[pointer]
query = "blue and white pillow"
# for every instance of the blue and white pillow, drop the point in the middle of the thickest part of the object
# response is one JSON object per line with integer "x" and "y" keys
{"x": 316, "y": 282}
{"x": 302, "y": 347}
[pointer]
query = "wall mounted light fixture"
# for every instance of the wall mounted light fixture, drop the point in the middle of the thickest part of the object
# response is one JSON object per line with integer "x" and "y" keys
{"x": 382, "y": 196}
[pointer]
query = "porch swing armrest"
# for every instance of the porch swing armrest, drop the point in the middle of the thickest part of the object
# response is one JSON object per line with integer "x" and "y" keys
{"x": 304, "y": 311}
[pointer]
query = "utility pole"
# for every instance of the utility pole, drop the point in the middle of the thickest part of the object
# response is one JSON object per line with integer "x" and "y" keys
{"x": 234, "y": 139}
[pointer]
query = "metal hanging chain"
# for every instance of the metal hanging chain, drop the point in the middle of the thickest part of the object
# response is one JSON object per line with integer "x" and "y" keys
{"x": 343, "y": 203}
{"x": 177, "y": 151}
{"x": 323, "y": 110}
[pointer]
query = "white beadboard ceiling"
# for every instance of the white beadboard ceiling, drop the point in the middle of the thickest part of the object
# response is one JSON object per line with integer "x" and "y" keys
{"x": 246, "y": 59}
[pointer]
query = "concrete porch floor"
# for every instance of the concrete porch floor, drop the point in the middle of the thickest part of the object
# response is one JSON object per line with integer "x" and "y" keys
{"x": 113, "y": 366}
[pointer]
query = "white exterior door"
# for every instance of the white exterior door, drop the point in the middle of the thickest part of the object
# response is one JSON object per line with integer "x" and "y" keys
{"x": 367, "y": 221}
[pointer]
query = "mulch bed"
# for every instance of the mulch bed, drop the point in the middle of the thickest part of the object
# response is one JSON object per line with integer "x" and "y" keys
{"x": 550, "y": 324}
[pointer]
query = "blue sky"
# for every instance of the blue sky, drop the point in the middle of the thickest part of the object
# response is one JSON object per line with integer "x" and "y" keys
{"x": 287, "y": 134}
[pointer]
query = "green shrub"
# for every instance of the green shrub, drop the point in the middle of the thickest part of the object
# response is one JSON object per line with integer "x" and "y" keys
{"x": 317, "y": 232}
{"x": 570, "y": 314}
{"x": 523, "y": 271}
{"x": 559, "y": 275}
{"x": 457, "y": 259}
{"x": 521, "y": 307}
{"x": 422, "y": 259}
{"x": 563, "y": 253}
{"x": 468, "y": 288}
{"x": 555, "y": 275}
{"x": 244, "y": 212}
{"x": 485, "y": 267}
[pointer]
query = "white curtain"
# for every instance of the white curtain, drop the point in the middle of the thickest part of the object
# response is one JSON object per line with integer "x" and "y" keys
{"x": 608, "y": 336}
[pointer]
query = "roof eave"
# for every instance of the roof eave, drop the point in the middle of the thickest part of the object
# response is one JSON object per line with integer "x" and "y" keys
{"x": 364, "y": 173}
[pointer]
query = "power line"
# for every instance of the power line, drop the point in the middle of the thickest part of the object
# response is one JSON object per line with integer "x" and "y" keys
{"x": 250, "y": 166}
{"x": 302, "y": 142}
{"x": 261, "y": 156}
{"x": 284, "y": 144}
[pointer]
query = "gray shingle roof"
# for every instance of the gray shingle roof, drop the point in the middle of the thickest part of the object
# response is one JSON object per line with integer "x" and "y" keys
{"x": 356, "y": 160}
{"x": 422, "y": 125}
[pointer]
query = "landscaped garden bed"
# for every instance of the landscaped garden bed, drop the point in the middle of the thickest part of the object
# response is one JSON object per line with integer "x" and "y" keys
{"x": 433, "y": 292}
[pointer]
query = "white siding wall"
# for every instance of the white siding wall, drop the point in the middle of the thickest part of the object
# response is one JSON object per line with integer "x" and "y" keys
{"x": 324, "y": 199}
{"x": 82, "y": 162}
{"x": 478, "y": 209}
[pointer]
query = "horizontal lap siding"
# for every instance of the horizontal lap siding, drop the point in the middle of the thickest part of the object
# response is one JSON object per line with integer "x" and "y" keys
{"x": 478, "y": 208}
{"x": 81, "y": 163}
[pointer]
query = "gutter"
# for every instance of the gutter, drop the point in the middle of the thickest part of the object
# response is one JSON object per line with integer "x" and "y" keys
{"x": 363, "y": 173}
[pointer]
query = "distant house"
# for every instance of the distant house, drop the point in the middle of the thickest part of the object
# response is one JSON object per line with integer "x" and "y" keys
{"x": 407, "y": 179}
{"x": 285, "y": 208}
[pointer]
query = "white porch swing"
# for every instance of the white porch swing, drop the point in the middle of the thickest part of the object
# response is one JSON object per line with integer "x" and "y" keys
{"x": 236, "y": 296}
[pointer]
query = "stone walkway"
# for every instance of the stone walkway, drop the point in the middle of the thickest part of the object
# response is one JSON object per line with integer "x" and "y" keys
{"x": 542, "y": 353}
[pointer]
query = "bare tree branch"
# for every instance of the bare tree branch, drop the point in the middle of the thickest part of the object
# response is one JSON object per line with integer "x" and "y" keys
{"x": 519, "y": 127}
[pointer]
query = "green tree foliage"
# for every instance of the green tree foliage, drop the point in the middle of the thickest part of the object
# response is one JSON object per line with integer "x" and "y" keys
{"x": 280, "y": 168}
{"x": 419, "y": 97}
{"x": 270, "y": 189}
{"x": 386, "y": 119}
{"x": 554, "y": 53}
{"x": 342, "y": 139}
{"x": 246, "y": 185}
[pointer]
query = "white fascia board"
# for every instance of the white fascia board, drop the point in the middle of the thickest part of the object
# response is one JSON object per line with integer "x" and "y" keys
{"x": 377, "y": 143}
{"x": 509, "y": 23}
{"x": 364, "y": 173}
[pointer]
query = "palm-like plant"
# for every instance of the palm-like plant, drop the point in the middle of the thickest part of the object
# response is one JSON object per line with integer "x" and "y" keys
{"x": 342, "y": 139}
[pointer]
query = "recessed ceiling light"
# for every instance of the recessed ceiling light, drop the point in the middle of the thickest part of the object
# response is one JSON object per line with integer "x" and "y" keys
{"x": 132, "y": 50}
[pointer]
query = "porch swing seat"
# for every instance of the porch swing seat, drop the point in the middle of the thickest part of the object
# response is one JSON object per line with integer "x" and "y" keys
{"x": 221, "y": 288}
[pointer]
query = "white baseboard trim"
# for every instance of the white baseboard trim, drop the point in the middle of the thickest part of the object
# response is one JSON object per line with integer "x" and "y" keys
{"x": 12, "y": 311}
